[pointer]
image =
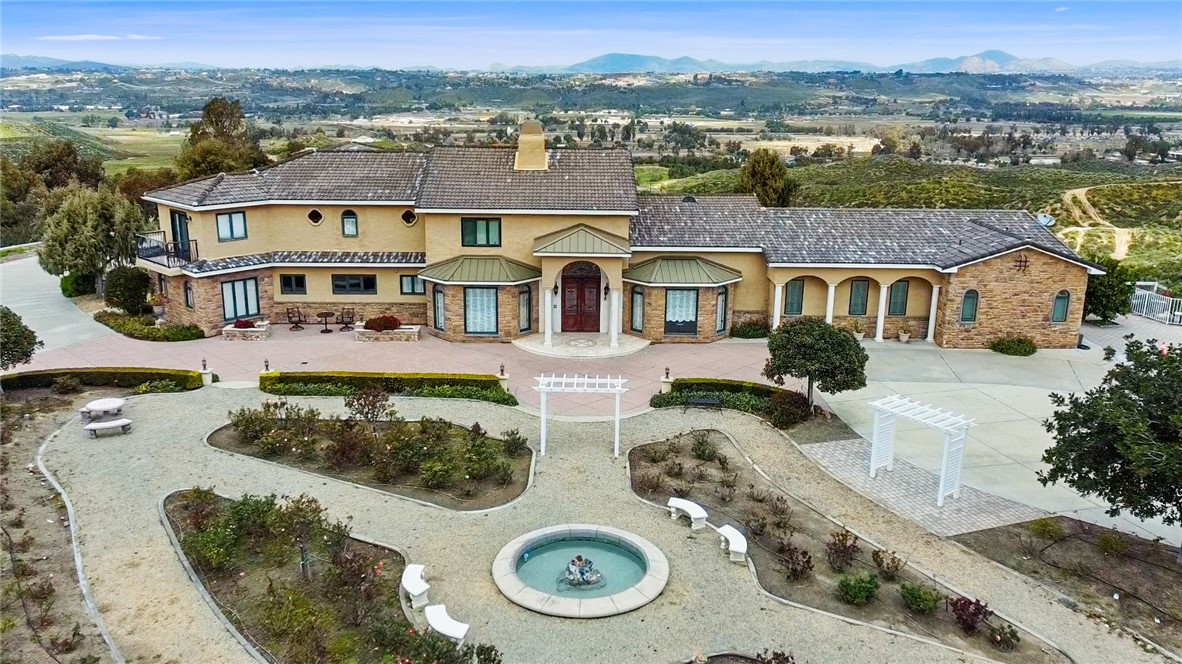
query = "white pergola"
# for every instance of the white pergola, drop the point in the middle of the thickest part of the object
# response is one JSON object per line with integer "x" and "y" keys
{"x": 954, "y": 426}
{"x": 585, "y": 384}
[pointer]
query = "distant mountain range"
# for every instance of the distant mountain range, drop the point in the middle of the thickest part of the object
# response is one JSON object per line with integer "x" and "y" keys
{"x": 985, "y": 62}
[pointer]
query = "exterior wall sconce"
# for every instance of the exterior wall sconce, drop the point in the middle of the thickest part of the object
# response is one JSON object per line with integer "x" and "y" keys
{"x": 555, "y": 290}
{"x": 606, "y": 290}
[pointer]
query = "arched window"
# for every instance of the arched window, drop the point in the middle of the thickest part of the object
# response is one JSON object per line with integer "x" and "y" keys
{"x": 525, "y": 308}
{"x": 188, "y": 294}
{"x": 349, "y": 223}
{"x": 1062, "y": 304}
{"x": 968, "y": 307}
{"x": 721, "y": 312}
{"x": 637, "y": 309}
{"x": 437, "y": 298}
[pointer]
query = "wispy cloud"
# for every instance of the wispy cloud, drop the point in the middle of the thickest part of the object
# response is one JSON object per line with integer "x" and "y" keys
{"x": 93, "y": 38}
{"x": 1062, "y": 9}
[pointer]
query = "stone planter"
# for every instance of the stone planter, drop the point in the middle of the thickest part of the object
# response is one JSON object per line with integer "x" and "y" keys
{"x": 904, "y": 337}
{"x": 858, "y": 336}
{"x": 404, "y": 333}
{"x": 261, "y": 332}
{"x": 158, "y": 310}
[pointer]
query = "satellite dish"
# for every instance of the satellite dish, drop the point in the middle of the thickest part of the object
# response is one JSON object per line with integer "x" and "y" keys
{"x": 1045, "y": 220}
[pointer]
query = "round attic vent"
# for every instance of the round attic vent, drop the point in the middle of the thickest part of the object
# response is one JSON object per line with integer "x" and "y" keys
{"x": 315, "y": 217}
{"x": 689, "y": 199}
{"x": 409, "y": 217}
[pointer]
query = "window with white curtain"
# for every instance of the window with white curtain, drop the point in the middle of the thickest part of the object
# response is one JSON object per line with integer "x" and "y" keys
{"x": 240, "y": 299}
{"x": 637, "y": 309}
{"x": 480, "y": 310}
{"x": 681, "y": 311}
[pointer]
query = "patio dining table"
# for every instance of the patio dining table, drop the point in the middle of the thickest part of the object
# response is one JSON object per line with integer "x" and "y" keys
{"x": 324, "y": 317}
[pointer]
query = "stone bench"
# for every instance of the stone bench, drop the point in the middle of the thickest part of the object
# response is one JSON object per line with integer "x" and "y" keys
{"x": 415, "y": 585}
{"x": 440, "y": 622}
{"x": 89, "y": 415}
{"x": 734, "y": 542}
{"x": 695, "y": 512}
{"x": 124, "y": 426}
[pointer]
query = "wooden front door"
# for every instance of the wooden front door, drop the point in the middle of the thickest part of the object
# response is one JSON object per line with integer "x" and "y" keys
{"x": 580, "y": 304}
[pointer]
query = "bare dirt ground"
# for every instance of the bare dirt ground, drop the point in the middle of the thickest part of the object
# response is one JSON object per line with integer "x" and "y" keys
{"x": 43, "y": 617}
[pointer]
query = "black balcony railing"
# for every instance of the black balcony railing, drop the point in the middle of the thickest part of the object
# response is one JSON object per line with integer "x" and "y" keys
{"x": 152, "y": 247}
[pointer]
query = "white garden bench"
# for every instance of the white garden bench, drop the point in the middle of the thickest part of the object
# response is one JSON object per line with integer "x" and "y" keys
{"x": 444, "y": 624}
{"x": 124, "y": 426}
{"x": 733, "y": 541}
{"x": 695, "y": 512}
{"x": 415, "y": 585}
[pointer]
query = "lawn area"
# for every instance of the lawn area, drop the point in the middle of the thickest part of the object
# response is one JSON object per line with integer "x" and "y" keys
{"x": 143, "y": 148}
{"x": 647, "y": 175}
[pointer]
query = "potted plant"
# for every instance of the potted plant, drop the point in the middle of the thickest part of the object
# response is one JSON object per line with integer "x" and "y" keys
{"x": 858, "y": 330}
{"x": 904, "y": 332}
{"x": 158, "y": 302}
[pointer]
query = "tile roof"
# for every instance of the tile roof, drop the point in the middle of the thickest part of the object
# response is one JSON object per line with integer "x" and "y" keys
{"x": 941, "y": 237}
{"x": 480, "y": 270}
{"x": 484, "y": 178}
{"x": 582, "y": 239}
{"x": 328, "y": 258}
{"x": 681, "y": 272}
{"x": 353, "y": 173}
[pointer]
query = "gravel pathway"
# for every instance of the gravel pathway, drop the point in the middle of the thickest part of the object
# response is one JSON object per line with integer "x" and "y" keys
{"x": 710, "y": 605}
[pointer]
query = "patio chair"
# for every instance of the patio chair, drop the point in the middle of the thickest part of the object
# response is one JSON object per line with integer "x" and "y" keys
{"x": 346, "y": 319}
{"x": 295, "y": 317}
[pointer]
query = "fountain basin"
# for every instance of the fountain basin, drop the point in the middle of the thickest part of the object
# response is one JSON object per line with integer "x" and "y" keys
{"x": 527, "y": 570}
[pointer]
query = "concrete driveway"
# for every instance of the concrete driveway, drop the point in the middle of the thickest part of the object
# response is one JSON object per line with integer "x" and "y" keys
{"x": 34, "y": 295}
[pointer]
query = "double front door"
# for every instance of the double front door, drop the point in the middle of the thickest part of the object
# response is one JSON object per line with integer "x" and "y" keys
{"x": 580, "y": 304}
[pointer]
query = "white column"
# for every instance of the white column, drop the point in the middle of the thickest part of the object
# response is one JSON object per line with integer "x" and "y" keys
{"x": 832, "y": 295}
{"x": 882, "y": 309}
{"x": 548, "y": 323}
{"x": 777, "y": 305}
{"x": 544, "y": 421}
{"x": 617, "y": 444}
{"x": 932, "y": 314}
{"x": 614, "y": 318}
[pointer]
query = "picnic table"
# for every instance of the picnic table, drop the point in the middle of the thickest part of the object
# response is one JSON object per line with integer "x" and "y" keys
{"x": 100, "y": 407}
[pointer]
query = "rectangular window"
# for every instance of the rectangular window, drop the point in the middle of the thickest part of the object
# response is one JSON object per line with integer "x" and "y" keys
{"x": 794, "y": 303}
{"x": 859, "y": 293}
{"x": 412, "y": 285}
{"x": 354, "y": 284}
{"x": 968, "y": 308}
{"x": 480, "y": 232}
{"x": 293, "y": 284}
{"x": 231, "y": 226}
{"x": 240, "y": 299}
{"x": 480, "y": 310}
{"x": 637, "y": 310}
{"x": 681, "y": 311}
{"x": 525, "y": 309}
{"x": 898, "y": 299}
{"x": 188, "y": 289}
{"x": 437, "y": 296}
{"x": 720, "y": 311}
{"x": 349, "y": 225}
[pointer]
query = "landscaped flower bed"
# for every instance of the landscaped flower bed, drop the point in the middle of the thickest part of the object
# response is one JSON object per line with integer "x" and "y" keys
{"x": 802, "y": 556}
{"x": 432, "y": 459}
{"x": 298, "y": 587}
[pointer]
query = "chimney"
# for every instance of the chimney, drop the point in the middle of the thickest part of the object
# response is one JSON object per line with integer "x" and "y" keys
{"x": 531, "y": 148}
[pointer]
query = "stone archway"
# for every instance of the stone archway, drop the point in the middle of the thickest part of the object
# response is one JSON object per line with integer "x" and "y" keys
{"x": 581, "y": 297}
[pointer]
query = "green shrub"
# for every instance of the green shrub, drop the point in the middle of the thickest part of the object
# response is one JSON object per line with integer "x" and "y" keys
{"x": 66, "y": 385}
{"x": 212, "y": 548}
{"x": 313, "y": 389}
{"x": 514, "y": 442}
{"x": 1048, "y": 529}
{"x": 157, "y": 386}
{"x": 395, "y": 383}
{"x": 74, "y": 285}
{"x": 723, "y": 385}
{"x": 857, "y": 589}
{"x": 743, "y": 401}
{"x": 1020, "y": 346}
{"x": 919, "y": 598}
{"x": 145, "y": 329}
{"x": 1114, "y": 543}
{"x": 482, "y": 457}
{"x": 128, "y": 288}
{"x": 438, "y": 473}
{"x": 1004, "y": 638}
{"x": 752, "y": 329}
{"x": 888, "y": 563}
{"x": 251, "y": 424}
{"x": 703, "y": 449}
{"x": 492, "y": 394}
{"x": 101, "y": 377}
{"x": 788, "y": 408}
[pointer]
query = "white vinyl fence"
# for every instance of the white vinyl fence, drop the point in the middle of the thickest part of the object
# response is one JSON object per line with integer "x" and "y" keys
{"x": 1150, "y": 303}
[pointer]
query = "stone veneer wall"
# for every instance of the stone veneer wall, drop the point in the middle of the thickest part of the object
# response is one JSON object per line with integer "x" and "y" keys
{"x": 508, "y": 317}
{"x": 654, "y": 316}
{"x": 1012, "y": 301}
{"x": 890, "y": 327}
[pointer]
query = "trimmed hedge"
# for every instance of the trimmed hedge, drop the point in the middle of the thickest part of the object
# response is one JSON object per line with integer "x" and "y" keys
{"x": 724, "y": 385}
{"x": 102, "y": 377}
{"x": 144, "y": 328}
{"x": 395, "y": 383}
{"x": 73, "y": 285}
{"x": 1018, "y": 346}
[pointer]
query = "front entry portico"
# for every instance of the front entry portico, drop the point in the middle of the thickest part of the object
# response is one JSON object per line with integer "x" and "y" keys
{"x": 581, "y": 295}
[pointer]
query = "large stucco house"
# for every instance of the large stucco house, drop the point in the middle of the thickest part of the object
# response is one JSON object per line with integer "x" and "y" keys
{"x": 480, "y": 244}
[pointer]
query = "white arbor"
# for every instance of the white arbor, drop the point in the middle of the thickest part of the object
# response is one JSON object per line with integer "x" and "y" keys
{"x": 585, "y": 384}
{"x": 955, "y": 428}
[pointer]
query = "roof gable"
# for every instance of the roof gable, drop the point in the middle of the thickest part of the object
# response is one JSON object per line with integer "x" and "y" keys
{"x": 681, "y": 272}
{"x": 581, "y": 240}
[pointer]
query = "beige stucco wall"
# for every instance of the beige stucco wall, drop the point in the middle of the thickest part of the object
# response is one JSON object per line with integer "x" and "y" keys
{"x": 319, "y": 281}
{"x": 286, "y": 228}
{"x": 750, "y": 296}
{"x": 518, "y": 233}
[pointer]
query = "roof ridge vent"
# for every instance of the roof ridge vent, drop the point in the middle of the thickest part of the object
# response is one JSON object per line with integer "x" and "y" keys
{"x": 689, "y": 199}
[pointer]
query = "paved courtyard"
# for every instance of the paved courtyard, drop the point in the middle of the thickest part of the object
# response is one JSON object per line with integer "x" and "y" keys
{"x": 710, "y": 604}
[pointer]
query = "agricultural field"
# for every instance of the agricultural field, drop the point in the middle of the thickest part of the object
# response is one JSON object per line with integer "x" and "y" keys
{"x": 120, "y": 147}
{"x": 811, "y": 142}
{"x": 18, "y": 136}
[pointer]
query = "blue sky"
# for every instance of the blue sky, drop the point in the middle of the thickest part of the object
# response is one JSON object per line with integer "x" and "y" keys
{"x": 304, "y": 33}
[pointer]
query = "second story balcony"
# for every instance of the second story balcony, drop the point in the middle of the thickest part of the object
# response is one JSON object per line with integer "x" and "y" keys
{"x": 153, "y": 247}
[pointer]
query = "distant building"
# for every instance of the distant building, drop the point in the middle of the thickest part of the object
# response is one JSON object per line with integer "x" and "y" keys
{"x": 1045, "y": 160}
{"x": 364, "y": 140}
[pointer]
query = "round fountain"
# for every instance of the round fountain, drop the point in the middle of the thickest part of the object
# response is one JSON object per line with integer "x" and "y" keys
{"x": 580, "y": 571}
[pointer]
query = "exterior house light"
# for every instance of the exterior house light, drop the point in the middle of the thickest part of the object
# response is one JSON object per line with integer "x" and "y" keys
{"x": 606, "y": 291}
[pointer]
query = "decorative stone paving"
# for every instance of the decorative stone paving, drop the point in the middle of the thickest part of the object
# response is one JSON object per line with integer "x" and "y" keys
{"x": 910, "y": 491}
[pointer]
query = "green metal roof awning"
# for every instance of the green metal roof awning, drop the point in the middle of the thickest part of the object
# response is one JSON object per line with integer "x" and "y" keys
{"x": 680, "y": 272}
{"x": 487, "y": 270}
{"x": 582, "y": 240}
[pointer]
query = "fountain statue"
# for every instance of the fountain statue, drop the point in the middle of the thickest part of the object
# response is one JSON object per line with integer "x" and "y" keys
{"x": 581, "y": 572}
